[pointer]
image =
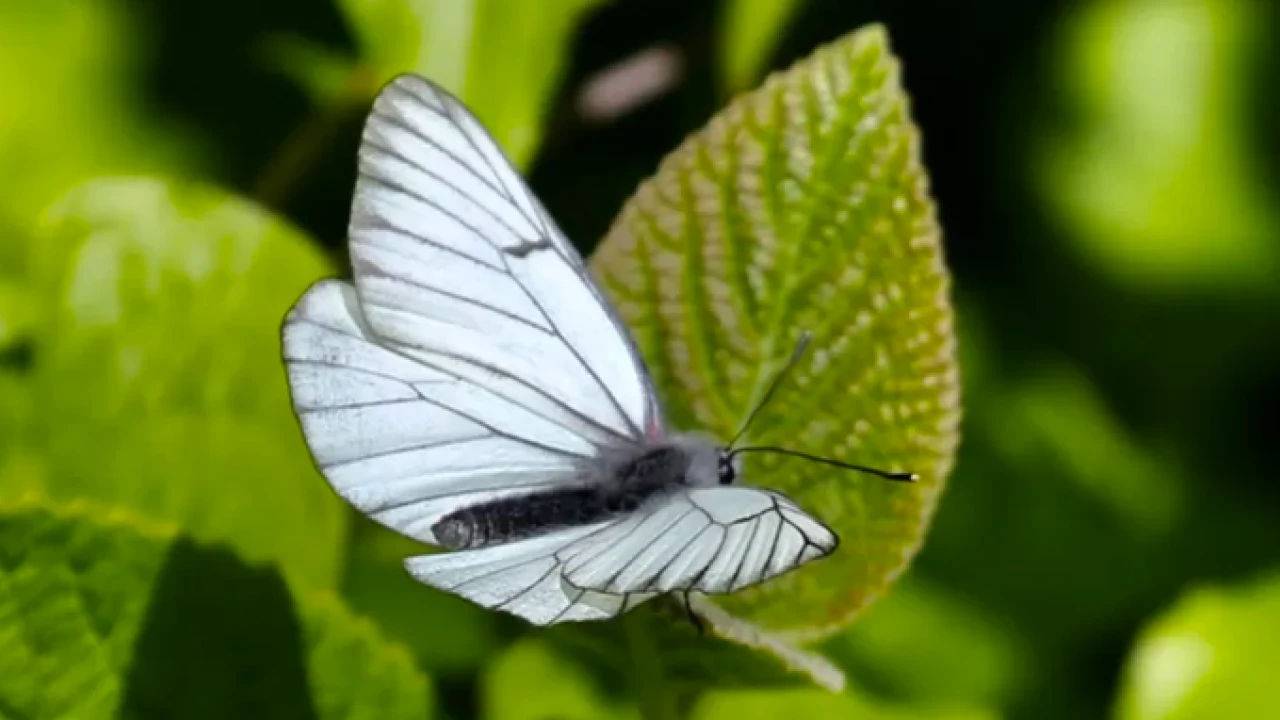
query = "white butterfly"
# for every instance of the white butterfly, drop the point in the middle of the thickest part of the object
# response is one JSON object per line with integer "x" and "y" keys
{"x": 473, "y": 389}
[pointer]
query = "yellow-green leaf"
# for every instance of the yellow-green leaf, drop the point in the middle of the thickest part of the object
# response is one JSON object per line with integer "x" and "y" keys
{"x": 530, "y": 681}
{"x": 72, "y": 108}
{"x": 157, "y": 381}
{"x": 747, "y": 36}
{"x": 803, "y": 206}
{"x": 103, "y": 615}
{"x": 1213, "y": 655}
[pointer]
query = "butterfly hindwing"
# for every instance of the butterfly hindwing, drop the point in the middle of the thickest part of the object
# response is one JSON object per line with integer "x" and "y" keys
{"x": 710, "y": 539}
{"x": 523, "y": 578}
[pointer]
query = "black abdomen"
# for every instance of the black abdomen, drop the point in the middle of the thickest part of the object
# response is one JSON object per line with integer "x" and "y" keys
{"x": 623, "y": 490}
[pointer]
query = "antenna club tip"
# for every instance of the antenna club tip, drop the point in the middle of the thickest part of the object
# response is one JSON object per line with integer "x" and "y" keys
{"x": 909, "y": 477}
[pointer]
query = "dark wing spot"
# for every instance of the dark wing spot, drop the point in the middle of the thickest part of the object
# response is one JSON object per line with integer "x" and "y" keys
{"x": 528, "y": 246}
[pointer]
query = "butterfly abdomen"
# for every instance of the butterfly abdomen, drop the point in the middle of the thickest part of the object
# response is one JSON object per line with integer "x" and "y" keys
{"x": 628, "y": 486}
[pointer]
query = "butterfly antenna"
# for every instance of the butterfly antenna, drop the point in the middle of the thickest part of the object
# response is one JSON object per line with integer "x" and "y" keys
{"x": 894, "y": 476}
{"x": 801, "y": 345}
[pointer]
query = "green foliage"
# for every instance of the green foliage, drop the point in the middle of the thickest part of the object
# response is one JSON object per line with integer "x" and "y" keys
{"x": 748, "y": 33}
{"x": 103, "y": 615}
{"x": 1106, "y": 178}
{"x": 530, "y": 681}
{"x": 1155, "y": 180}
{"x": 69, "y": 112}
{"x": 787, "y": 704}
{"x": 1213, "y": 655}
{"x": 70, "y": 108}
{"x": 377, "y": 586}
{"x": 658, "y": 654}
{"x": 454, "y": 42}
{"x": 925, "y": 644}
{"x": 156, "y": 381}
{"x": 534, "y": 679}
{"x": 803, "y": 206}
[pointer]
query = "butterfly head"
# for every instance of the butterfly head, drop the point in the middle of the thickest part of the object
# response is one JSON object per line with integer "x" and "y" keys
{"x": 709, "y": 464}
{"x": 726, "y": 467}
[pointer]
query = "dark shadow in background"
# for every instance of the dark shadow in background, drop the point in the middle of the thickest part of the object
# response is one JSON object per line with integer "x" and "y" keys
{"x": 220, "y": 640}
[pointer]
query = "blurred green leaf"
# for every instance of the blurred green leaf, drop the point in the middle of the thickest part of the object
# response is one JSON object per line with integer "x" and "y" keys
{"x": 329, "y": 77}
{"x": 656, "y": 652}
{"x": 157, "y": 383}
{"x": 1049, "y": 472}
{"x": 747, "y": 36}
{"x": 103, "y": 615}
{"x": 15, "y": 311}
{"x": 530, "y": 681}
{"x": 502, "y": 58}
{"x": 792, "y": 704}
{"x": 460, "y": 637}
{"x": 925, "y": 644}
{"x": 1158, "y": 181}
{"x": 1213, "y": 655}
{"x": 71, "y": 108}
{"x": 1057, "y": 418}
{"x": 804, "y": 206}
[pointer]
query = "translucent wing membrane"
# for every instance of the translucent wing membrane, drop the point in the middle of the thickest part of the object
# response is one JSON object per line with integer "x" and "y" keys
{"x": 457, "y": 265}
{"x": 523, "y": 578}
{"x": 713, "y": 540}
{"x": 403, "y": 442}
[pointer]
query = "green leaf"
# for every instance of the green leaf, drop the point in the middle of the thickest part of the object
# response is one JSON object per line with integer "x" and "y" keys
{"x": 803, "y": 206}
{"x": 1051, "y": 422}
{"x": 789, "y": 704}
{"x": 1157, "y": 181}
{"x": 460, "y": 636}
{"x": 15, "y": 312}
{"x": 747, "y": 36}
{"x": 103, "y": 615}
{"x": 923, "y": 643}
{"x": 502, "y": 58}
{"x": 157, "y": 381}
{"x": 1057, "y": 419}
{"x": 71, "y": 108}
{"x": 658, "y": 654}
{"x": 331, "y": 78}
{"x": 536, "y": 679}
{"x": 531, "y": 681}
{"x": 1213, "y": 655}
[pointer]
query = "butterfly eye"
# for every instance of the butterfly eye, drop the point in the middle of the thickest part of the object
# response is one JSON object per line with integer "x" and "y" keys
{"x": 726, "y": 471}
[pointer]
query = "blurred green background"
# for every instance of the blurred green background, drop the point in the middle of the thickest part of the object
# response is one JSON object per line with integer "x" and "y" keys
{"x": 1108, "y": 180}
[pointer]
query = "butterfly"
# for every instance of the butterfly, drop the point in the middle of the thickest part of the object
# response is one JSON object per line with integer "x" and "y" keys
{"x": 473, "y": 389}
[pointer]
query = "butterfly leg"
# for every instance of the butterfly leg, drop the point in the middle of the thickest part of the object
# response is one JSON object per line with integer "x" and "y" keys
{"x": 693, "y": 618}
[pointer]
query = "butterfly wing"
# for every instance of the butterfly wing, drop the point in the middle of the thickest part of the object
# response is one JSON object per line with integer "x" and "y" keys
{"x": 710, "y": 539}
{"x": 458, "y": 265}
{"x": 473, "y": 358}
{"x": 523, "y": 578}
